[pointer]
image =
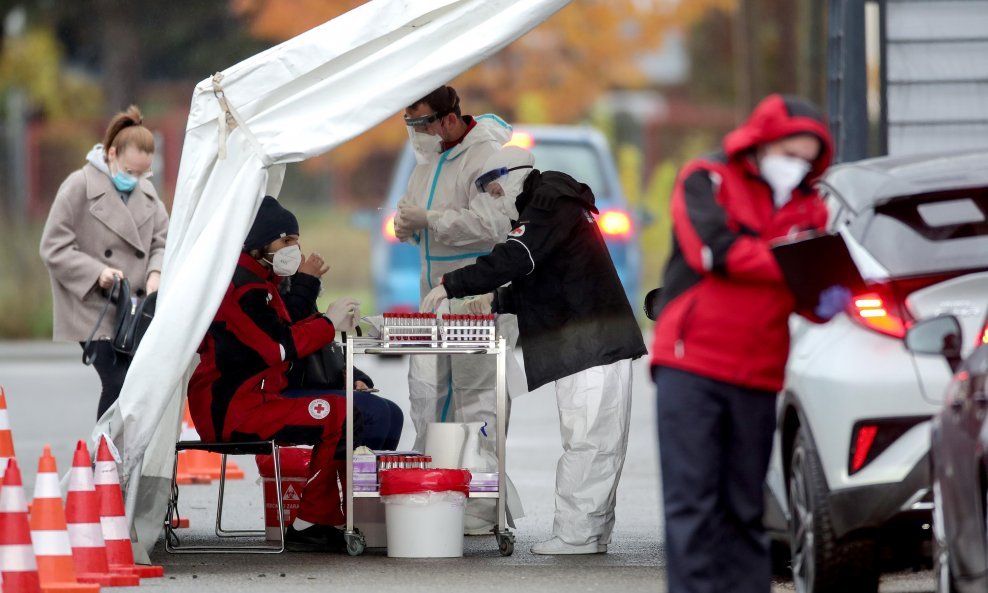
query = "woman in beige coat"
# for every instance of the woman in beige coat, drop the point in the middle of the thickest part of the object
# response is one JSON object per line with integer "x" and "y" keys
{"x": 106, "y": 221}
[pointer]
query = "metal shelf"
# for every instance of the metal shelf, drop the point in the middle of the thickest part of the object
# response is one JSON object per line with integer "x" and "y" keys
{"x": 371, "y": 346}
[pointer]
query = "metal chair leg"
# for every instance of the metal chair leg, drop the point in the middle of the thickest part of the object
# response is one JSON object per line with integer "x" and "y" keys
{"x": 173, "y": 545}
{"x": 220, "y": 532}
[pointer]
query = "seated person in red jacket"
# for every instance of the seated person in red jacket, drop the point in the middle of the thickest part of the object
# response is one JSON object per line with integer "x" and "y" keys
{"x": 240, "y": 390}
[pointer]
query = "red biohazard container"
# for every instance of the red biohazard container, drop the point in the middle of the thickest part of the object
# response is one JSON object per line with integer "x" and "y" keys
{"x": 294, "y": 475}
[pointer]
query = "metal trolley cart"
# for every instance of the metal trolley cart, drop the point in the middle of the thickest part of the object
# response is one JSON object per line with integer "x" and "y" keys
{"x": 422, "y": 334}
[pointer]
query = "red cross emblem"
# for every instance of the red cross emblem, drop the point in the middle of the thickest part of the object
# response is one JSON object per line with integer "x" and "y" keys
{"x": 319, "y": 409}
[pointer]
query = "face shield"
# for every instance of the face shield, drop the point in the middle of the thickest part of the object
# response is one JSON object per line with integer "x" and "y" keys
{"x": 509, "y": 167}
{"x": 494, "y": 175}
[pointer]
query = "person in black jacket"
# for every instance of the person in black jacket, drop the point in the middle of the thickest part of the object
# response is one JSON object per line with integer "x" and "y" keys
{"x": 578, "y": 329}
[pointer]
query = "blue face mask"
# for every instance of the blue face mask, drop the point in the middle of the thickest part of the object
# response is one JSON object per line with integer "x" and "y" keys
{"x": 124, "y": 182}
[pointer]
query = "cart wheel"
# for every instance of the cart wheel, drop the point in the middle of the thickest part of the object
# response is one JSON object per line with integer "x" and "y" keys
{"x": 506, "y": 543}
{"x": 355, "y": 543}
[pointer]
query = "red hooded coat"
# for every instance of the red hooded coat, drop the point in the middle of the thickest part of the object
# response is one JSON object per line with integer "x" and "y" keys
{"x": 724, "y": 307}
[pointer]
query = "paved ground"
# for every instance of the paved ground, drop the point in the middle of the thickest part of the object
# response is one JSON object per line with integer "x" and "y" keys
{"x": 52, "y": 398}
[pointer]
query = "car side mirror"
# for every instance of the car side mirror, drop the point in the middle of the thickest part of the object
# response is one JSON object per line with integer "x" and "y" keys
{"x": 939, "y": 335}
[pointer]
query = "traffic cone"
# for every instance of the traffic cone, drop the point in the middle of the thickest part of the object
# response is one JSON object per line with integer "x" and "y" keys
{"x": 184, "y": 470}
{"x": 17, "y": 563}
{"x": 116, "y": 533}
{"x": 50, "y": 535}
{"x": 6, "y": 438}
{"x": 202, "y": 464}
{"x": 85, "y": 531}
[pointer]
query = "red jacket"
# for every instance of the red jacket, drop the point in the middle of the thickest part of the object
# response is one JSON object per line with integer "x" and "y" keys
{"x": 724, "y": 308}
{"x": 248, "y": 350}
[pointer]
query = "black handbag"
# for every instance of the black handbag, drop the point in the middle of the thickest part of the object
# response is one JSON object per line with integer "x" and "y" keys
{"x": 134, "y": 315}
{"x": 325, "y": 368}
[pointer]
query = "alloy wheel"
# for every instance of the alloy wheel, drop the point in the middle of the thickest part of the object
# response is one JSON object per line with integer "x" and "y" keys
{"x": 801, "y": 525}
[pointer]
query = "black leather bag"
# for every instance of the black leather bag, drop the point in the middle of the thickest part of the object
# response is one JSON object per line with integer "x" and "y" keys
{"x": 323, "y": 369}
{"x": 133, "y": 318}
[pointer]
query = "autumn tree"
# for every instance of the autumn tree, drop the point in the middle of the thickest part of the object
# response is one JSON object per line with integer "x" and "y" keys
{"x": 554, "y": 74}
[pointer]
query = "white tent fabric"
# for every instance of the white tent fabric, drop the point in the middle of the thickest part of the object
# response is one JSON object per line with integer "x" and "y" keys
{"x": 294, "y": 101}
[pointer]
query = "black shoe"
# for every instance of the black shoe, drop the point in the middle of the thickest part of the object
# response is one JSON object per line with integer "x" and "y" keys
{"x": 317, "y": 538}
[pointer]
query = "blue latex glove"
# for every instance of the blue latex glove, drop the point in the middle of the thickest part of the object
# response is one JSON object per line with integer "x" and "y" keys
{"x": 833, "y": 300}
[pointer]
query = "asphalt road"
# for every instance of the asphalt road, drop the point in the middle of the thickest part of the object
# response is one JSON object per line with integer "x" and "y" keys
{"x": 52, "y": 399}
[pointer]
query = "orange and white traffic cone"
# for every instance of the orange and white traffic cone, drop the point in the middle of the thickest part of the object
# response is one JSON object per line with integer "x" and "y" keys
{"x": 189, "y": 460}
{"x": 85, "y": 531}
{"x": 119, "y": 552}
{"x": 201, "y": 465}
{"x": 17, "y": 563}
{"x": 6, "y": 437}
{"x": 50, "y": 535}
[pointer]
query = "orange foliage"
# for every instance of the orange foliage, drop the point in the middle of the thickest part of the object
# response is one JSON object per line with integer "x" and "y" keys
{"x": 558, "y": 70}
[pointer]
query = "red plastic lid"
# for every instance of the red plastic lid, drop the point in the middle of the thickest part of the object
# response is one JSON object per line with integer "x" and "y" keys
{"x": 412, "y": 480}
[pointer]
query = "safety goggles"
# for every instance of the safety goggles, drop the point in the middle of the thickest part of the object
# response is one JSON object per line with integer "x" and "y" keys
{"x": 494, "y": 174}
{"x": 424, "y": 120}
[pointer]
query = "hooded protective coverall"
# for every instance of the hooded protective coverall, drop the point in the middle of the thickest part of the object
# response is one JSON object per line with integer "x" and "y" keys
{"x": 463, "y": 224}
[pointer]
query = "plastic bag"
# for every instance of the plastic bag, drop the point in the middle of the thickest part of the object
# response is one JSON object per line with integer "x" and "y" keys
{"x": 411, "y": 481}
{"x": 426, "y": 499}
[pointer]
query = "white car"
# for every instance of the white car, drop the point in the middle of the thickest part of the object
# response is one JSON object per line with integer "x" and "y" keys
{"x": 849, "y": 472}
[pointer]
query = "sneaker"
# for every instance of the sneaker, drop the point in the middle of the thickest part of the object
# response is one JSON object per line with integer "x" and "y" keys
{"x": 317, "y": 538}
{"x": 556, "y": 546}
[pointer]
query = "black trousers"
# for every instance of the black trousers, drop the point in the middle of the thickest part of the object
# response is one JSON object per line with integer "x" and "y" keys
{"x": 715, "y": 440}
{"x": 112, "y": 369}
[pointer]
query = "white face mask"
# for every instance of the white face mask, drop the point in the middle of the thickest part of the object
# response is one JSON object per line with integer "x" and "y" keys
{"x": 425, "y": 146}
{"x": 286, "y": 260}
{"x": 784, "y": 174}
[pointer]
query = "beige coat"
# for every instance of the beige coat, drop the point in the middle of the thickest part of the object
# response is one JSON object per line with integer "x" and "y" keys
{"x": 90, "y": 228}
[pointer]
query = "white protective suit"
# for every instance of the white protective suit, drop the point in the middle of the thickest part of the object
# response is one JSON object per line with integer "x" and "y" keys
{"x": 463, "y": 224}
{"x": 594, "y": 415}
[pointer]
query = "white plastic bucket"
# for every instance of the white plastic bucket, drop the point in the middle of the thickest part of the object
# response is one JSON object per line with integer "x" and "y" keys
{"x": 425, "y": 524}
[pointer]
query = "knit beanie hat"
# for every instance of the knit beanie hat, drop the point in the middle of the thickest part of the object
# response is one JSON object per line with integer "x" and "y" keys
{"x": 273, "y": 221}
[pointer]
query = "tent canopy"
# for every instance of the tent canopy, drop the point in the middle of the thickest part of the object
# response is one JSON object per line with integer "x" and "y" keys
{"x": 297, "y": 100}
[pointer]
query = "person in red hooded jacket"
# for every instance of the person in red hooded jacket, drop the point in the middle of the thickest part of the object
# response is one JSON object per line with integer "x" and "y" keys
{"x": 722, "y": 339}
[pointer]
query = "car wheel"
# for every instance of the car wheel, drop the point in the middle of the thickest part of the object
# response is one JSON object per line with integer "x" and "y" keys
{"x": 941, "y": 553}
{"x": 820, "y": 561}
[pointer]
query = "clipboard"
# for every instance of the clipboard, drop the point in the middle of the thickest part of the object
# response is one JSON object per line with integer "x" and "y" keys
{"x": 810, "y": 265}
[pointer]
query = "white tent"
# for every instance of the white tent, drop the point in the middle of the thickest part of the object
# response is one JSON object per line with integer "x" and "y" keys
{"x": 297, "y": 100}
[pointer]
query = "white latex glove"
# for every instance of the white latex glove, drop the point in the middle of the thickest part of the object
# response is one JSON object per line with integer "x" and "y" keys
{"x": 412, "y": 217}
{"x": 432, "y": 300}
{"x": 480, "y": 304}
{"x": 344, "y": 313}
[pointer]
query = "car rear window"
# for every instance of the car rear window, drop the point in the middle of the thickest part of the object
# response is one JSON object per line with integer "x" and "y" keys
{"x": 928, "y": 233}
{"x": 579, "y": 161}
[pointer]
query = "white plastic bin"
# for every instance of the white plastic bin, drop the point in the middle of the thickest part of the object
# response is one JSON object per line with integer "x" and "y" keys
{"x": 424, "y": 511}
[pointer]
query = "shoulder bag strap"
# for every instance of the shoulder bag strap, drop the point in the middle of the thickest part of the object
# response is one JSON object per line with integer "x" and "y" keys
{"x": 89, "y": 350}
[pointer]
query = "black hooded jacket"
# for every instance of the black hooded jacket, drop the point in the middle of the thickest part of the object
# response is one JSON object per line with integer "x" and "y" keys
{"x": 572, "y": 310}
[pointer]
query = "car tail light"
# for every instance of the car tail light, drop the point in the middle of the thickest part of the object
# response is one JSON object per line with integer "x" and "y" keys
{"x": 870, "y": 437}
{"x": 388, "y": 229}
{"x": 522, "y": 140}
{"x": 878, "y": 312}
{"x": 615, "y": 223}
{"x": 983, "y": 338}
{"x": 881, "y": 306}
{"x": 863, "y": 441}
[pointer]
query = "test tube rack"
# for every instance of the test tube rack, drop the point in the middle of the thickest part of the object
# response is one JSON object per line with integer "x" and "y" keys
{"x": 467, "y": 329}
{"x": 411, "y": 329}
{"x": 448, "y": 331}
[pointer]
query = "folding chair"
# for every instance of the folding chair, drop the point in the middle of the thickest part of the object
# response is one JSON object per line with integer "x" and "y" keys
{"x": 172, "y": 541}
